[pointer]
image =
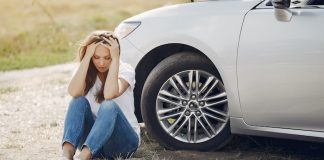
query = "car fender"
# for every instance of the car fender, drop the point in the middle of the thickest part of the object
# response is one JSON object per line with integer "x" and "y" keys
{"x": 170, "y": 25}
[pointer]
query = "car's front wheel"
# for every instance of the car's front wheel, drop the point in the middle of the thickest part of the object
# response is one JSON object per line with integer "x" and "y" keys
{"x": 184, "y": 103}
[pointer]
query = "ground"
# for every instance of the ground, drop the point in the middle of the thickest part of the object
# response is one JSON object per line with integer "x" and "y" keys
{"x": 33, "y": 104}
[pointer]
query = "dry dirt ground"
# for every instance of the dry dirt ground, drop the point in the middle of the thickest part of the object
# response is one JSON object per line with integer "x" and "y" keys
{"x": 33, "y": 103}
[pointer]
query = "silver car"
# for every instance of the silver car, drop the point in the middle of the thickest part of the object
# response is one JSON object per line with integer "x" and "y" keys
{"x": 209, "y": 69}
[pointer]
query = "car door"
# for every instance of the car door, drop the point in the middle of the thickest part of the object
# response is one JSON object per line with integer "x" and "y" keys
{"x": 280, "y": 68}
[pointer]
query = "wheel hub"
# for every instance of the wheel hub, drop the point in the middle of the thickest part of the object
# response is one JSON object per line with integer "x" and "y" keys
{"x": 192, "y": 106}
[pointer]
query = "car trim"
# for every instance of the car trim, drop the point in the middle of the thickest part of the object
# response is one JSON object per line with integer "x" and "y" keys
{"x": 238, "y": 126}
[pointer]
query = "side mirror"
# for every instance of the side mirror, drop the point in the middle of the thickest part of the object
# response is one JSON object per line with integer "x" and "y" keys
{"x": 282, "y": 11}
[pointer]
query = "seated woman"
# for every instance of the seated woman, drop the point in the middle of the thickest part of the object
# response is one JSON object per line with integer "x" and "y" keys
{"x": 100, "y": 120}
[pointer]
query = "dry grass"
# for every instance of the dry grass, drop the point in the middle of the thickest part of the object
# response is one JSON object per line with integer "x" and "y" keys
{"x": 44, "y": 32}
{"x": 7, "y": 90}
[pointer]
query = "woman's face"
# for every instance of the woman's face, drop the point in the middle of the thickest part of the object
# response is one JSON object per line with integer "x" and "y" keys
{"x": 101, "y": 58}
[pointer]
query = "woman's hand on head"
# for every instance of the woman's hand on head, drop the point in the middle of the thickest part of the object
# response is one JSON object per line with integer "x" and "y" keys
{"x": 91, "y": 49}
{"x": 113, "y": 46}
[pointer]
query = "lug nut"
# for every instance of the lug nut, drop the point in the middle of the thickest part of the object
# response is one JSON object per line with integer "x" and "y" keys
{"x": 198, "y": 113}
{"x": 191, "y": 105}
{"x": 193, "y": 97}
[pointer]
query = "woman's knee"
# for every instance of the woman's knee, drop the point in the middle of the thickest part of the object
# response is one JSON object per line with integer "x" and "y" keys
{"x": 78, "y": 103}
{"x": 109, "y": 106}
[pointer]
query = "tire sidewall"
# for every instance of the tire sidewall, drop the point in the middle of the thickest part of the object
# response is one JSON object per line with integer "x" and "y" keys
{"x": 159, "y": 75}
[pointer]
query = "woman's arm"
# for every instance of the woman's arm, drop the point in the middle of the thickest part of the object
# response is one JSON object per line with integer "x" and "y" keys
{"x": 77, "y": 84}
{"x": 114, "y": 86}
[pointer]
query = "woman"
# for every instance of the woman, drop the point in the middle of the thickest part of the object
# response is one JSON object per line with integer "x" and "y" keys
{"x": 100, "y": 120}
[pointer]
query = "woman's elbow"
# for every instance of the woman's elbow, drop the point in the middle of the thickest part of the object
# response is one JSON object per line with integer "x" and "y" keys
{"x": 74, "y": 93}
{"x": 111, "y": 96}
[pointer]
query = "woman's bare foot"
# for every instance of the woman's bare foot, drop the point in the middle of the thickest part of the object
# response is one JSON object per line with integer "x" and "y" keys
{"x": 68, "y": 151}
{"x": 85, "y": 154}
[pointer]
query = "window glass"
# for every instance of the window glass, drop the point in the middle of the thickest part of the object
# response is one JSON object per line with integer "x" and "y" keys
{"x": 302, "y": 2}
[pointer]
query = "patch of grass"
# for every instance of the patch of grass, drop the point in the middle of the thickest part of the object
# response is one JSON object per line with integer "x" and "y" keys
{"x": 13, "y": 146}
{"x": 37, "y": 33}
{"x": 7, "y": 90}
{"x": 34, "y": 59}
{"x": 46, "y": 46}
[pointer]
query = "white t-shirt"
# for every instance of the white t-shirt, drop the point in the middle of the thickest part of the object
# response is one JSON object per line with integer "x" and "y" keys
{"x": 124, "y": 101}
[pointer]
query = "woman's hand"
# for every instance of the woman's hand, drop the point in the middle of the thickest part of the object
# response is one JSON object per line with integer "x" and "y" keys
{"x": 77, "y": 84}
{"x": 91, "y": 49}
{"x": 112, "y": 45}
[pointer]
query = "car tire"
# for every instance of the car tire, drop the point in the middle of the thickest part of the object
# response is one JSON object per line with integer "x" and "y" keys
{"x": 188, "y": 126}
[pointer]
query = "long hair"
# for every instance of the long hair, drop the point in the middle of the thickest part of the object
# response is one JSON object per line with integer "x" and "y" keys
{"x": 92, "y": 72}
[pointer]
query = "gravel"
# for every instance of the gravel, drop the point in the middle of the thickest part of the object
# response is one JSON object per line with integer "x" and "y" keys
{"x": 33, "y": 103}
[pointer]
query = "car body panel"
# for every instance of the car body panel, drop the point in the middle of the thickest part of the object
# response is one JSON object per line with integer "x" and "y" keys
{"x": 280, "y": 69}
{"x": 219, "y": 41}
{"x": 225, "y": 19}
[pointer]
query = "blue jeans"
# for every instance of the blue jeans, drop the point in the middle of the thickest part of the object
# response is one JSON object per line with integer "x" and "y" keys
{"x": 109, "y": 136}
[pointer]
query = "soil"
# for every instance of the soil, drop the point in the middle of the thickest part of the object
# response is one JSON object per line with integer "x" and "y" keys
{"x": 33, "y": 103}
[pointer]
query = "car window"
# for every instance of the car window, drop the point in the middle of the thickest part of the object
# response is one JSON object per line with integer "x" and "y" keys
{"x": 302, "y": 2}
{"x": 317, "y": 2}
{"x": 269, "y": 3}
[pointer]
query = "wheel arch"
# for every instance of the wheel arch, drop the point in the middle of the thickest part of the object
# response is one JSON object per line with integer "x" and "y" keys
{"x": 150, "y": 60}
